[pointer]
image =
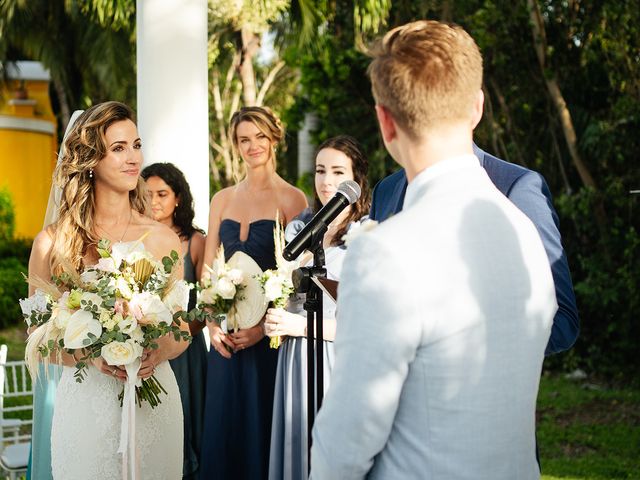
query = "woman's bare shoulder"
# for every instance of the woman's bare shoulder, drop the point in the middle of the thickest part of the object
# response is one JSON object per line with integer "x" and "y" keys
{"x": 198, "y": 239}
{"x": 294, "y": 200}
{"x": 223, "y": 195}
{"x": 43, "y": 241}
{"x": 158, "y": 238}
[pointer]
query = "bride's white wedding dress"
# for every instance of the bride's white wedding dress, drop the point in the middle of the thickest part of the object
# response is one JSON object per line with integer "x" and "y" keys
{"x": 86, "y": 429}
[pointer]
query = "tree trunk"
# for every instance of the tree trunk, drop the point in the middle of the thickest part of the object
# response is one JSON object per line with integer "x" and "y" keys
{"x": 540, "y": 44}
{"x": 65, "y": 109}
{"x": 250, "y": 46}
{"x": 268, "y": 81}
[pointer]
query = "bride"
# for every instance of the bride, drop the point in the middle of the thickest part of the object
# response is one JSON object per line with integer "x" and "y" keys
{"x": 102, "y": 197}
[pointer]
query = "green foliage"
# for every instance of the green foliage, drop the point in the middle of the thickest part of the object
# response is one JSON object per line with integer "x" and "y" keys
{"x": 12, "y": 288}
{"x": 305, "y": 183}
{"x": 592, "y": 52}
{"x": 14, "y": 258}
{"x": 338, "y": 91}
{"x": 7, "y": 216}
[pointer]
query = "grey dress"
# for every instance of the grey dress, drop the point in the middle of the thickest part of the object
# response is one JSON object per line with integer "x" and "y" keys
{"x": 288, "y": 453}
{"x": 190, "y": 369}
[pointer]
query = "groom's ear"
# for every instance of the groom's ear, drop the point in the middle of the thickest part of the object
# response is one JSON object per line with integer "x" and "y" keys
{"x": 387, "y": 124}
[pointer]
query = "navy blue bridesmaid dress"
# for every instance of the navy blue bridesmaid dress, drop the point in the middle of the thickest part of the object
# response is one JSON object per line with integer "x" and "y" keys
{"x": 239, "y": 398}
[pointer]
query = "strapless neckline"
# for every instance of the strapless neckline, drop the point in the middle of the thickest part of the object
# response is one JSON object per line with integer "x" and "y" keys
{"x": 239, "y": 224}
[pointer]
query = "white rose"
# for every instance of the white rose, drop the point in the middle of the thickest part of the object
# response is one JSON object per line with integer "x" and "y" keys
{"x": 225, "y": 288}
{"x": 207, "y": 295}
{"x": 91, "y": 297}
{"x": 273, "y": 287}
{"x": 149, "y": 309}
{"x": 235, "y": 275}
{"x": 60, "y": 317}
{"x": 79, "y": 326}
{"x": 121, "y": 353}
{"x": 178, "y": 297}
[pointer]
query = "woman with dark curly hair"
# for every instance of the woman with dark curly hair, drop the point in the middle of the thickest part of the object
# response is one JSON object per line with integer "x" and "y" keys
{"x": 338, "y": 159}
{"x": 171, "y": 203}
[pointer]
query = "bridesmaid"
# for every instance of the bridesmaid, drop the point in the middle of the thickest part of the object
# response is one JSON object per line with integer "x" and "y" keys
{"x": 338, "y": 159}
{"x": 172, "y": 204}
{"x": 239, "y": 400}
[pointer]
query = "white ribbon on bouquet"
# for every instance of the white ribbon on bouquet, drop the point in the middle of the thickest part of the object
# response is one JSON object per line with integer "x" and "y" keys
{"x": 130, "y": 464}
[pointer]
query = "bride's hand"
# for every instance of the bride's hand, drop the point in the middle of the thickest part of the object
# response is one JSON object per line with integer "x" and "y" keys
{"x": 219, "y": 340}
{"x": 247, "y": 337}
{"x": 118, "y": 373}
{"x": 150, "y": 359}
{"x": 279, "y": 322}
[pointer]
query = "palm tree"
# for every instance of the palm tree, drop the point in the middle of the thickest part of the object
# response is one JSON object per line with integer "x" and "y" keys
{"x": 88, "y": 49}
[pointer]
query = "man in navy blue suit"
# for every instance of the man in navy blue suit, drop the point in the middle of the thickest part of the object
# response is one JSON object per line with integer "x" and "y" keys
{"x": 530, "y": 193}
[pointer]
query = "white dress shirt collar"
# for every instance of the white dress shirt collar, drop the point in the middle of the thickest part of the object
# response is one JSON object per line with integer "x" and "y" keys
{"x": 428, "y": 174}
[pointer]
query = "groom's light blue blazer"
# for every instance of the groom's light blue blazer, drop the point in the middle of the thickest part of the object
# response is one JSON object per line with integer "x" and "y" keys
{"x": 528, "y": 191}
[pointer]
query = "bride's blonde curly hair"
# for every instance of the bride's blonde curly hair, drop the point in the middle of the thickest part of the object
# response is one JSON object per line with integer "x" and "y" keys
{"x": 85, "y": 147}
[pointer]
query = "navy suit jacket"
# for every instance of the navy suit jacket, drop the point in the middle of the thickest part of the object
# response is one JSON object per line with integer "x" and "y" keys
{"x": 529, "y": 192}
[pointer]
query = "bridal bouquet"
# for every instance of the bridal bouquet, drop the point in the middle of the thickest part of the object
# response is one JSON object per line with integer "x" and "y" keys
{"x": 221, "y": 286}
{"x": 277, "y": 284}
{"x": 115, "y": 309}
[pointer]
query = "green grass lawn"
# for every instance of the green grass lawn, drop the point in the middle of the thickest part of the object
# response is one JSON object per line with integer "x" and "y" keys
{"x": 586, "y": 430}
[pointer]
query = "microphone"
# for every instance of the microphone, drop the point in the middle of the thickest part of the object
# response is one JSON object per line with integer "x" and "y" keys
{"x": 348, "y": 193}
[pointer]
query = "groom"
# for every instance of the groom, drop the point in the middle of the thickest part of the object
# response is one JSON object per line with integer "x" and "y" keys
{"x": 529, "y": 192}
{"x": 446, "y": 308}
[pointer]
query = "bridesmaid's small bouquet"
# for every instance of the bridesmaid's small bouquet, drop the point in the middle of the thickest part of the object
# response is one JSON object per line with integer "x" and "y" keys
{"x": 230, "y": 294}
{"x": 277, "y": 284}
{"x": 221, "y": 286}
{"x": 115, "y": 309}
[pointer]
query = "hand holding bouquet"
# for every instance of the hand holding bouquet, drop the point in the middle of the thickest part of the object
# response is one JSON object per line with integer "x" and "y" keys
{"x": 221, "y": 286}
{"x": 115, "y": 309}
{"x": 276, "y": 284}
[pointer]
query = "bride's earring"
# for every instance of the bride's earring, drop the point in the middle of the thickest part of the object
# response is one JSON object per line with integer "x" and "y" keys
{"x": 91, "y": 173}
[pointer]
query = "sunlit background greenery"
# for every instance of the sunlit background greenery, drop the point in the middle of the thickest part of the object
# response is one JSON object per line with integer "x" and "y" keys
{"x": 562, "y": 89}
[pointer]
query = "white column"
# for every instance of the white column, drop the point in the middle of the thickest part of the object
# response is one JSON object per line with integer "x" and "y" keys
{"x": 306, "y": 148}
{"x": 172, "y": 111}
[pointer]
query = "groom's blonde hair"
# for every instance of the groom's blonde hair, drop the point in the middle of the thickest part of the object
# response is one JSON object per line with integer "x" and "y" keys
{"x": 426, "y": 73}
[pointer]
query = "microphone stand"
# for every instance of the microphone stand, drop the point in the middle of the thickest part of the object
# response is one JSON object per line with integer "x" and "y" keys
{"x": 303, "y": 283}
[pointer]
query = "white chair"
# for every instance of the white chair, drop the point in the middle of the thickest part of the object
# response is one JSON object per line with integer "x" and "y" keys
{"x": 16, "y": 415}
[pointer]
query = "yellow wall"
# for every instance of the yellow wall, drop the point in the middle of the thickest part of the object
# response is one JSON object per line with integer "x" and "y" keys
{"x": 27, "y": 156}
{"x": 25, "y": 169}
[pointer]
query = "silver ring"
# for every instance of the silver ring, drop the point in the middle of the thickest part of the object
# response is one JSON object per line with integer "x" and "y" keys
{"x": 113, "y": 371}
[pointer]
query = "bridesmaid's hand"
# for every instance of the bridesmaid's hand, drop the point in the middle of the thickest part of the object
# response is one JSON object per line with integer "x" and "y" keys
{"x": 220, "y": 341}
{"x": 247, "y": 337}
{"x": 119, "y": 373}
{"x": 279, "y": 322}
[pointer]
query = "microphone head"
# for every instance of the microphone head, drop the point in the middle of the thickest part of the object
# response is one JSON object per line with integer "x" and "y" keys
{"x": 351, "y": 190}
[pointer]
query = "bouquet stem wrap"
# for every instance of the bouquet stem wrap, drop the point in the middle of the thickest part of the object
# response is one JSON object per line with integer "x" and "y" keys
{"x": 127, "y": 446}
